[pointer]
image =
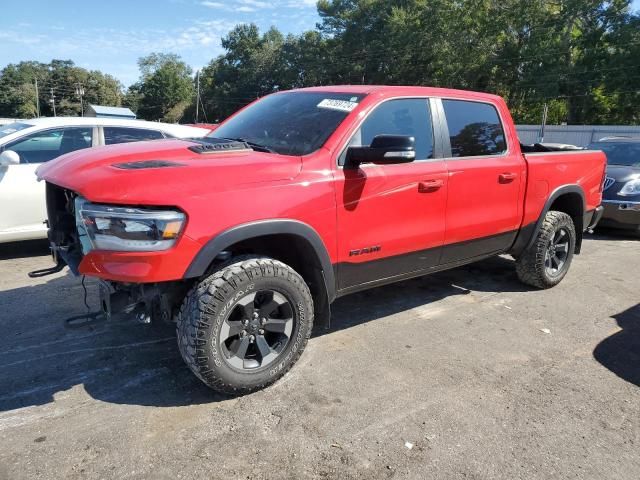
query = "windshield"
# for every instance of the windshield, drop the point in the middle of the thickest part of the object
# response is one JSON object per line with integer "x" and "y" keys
{"x": 622, "y": 153}
{"x": 290, "y": 123}
{"x": 12, "y": 128}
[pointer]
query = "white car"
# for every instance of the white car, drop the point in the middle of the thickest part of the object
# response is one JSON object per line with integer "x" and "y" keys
{"x": 25, "y": 144}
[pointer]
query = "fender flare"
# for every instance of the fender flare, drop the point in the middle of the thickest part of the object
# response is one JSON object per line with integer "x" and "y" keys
{"x": 246, "y": 231}
{"x": 528, "y": 233}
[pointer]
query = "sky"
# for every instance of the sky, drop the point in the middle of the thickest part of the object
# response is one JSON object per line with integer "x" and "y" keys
{"x": 110, "y": 35}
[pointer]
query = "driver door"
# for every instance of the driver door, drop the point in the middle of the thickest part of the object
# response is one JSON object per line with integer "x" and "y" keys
{"x": 22, "y": 197}
{"x": 391, "y": 218}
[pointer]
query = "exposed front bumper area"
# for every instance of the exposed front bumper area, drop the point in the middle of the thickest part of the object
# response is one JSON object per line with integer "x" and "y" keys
{"x": 621, "y": 214}
{"x": 156, "y": 302}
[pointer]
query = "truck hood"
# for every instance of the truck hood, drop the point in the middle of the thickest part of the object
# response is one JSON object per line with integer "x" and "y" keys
{"x": 158, "y": 171}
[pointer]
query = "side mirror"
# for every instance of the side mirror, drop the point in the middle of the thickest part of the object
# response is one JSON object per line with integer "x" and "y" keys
{"x": 384, "y": 150}
{"x": 9, "y": 157}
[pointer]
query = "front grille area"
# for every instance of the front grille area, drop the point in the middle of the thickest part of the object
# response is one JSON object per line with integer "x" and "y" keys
{"x": 63, "y": 234}
{"x": 608, "y": 182}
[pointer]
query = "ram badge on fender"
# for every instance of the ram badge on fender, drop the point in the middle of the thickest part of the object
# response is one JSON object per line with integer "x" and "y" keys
{"x": 247, "y": 236}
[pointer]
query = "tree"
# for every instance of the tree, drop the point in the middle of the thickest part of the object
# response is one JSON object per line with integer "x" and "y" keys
{"x": 165, "y": 88}
{"x": 18, "y": 88}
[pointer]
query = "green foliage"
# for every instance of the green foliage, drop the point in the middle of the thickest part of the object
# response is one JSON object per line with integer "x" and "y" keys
{"x": 18, "y": 89}
{"x": 580, "y": 57}
{"x": 165, "y": 89}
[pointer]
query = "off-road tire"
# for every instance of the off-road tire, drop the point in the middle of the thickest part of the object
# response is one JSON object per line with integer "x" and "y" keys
{"x": 205, "y": 307}
{"x": 530, "y": 265}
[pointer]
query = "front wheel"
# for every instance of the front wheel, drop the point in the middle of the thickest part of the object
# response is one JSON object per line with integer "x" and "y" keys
{"x": 547, "y": 261}
{"x": 245, "y": 325}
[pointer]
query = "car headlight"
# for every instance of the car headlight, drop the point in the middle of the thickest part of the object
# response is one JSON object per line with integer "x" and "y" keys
{"x": 632, "y": 187}
{"x": 127, "y": 229}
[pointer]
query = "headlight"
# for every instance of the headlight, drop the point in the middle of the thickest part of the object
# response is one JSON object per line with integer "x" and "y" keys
{"x": 632, "y": 187}
{"x": 128, "y": 229}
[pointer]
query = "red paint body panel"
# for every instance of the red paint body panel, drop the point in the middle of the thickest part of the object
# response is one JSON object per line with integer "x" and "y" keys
{"x": 479, "y": 203}
{"x": 550, "y": 171}
{"x": 375, "y": 205}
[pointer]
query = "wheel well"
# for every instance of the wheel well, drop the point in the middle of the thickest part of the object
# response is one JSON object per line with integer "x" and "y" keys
{"x": 299, "y": 254}
{"x": 572, "y": 204}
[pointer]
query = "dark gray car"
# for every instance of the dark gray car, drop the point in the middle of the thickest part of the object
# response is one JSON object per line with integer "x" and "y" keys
{"x": 621, "y": 198}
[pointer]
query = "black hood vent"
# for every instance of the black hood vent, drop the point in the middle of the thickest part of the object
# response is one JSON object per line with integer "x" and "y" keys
{"x": 147, "y": 164}
{"x": 217, "y": 145}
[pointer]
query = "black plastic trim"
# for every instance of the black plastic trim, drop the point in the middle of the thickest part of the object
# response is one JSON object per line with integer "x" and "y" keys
{"x": 353, "y": 277}
{"x": 592, "y": 217}
{"x": 217, "y": 145}
{"x": 442, "y": 128}
{"x": 413, "y": 274}
{"x": 224, "y": 240}
{"x": 527, "y": 235}
{"x": 147, "y": 164}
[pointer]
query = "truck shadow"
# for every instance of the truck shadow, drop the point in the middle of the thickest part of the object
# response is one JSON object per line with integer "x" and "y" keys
{"x": 495, "y": 274}
{"x": 620, "y": 352}
{"x": 123, "y": 362}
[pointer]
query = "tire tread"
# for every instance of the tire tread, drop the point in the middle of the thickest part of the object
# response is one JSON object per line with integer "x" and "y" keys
{"x": 530, "y": 265}
{"x": 201, "y": 303}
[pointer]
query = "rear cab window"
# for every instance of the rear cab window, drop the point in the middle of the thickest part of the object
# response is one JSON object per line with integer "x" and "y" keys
{"x": 475, "y": 129}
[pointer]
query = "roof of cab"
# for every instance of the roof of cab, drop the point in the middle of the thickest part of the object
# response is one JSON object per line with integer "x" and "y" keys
{"x": 391, "y": 90}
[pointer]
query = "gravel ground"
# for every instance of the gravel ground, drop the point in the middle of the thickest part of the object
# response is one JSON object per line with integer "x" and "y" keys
{"x": 463, "y": 374}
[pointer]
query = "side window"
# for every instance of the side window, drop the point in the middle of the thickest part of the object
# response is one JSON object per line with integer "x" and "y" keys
{"x": 43, "y": 146}
{"x": 410, "y": 116}
{"x": 474, "y": 129}
{"x": 113, "y": 135}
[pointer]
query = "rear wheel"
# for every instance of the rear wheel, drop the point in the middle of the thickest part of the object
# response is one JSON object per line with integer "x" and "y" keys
{"x": 547, "y": 261}
{"x": 245, "y": 325}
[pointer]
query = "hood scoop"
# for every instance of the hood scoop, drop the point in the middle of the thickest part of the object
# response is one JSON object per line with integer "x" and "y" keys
{"x": 147, "y": 164}
{"x": 217, "y": 145}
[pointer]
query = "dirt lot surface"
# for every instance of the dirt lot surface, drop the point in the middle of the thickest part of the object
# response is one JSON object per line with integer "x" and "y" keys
{"x": 480, "y": 376}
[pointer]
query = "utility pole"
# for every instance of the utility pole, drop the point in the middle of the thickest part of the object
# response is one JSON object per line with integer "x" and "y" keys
{"x": 53, "y": 102}
{"x": 197, "y": 94}
{"x": 80, "y": 93}
{"x": 545, "y": 115}
{"x": 37, "y": 99}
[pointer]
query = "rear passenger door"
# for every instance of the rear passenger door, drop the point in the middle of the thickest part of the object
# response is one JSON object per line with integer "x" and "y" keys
{"x": 485, "y": 178}
{"x": 115, "y": 135}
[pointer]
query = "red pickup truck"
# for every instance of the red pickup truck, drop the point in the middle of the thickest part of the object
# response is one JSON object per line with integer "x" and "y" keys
{"x": 245, "y": 238}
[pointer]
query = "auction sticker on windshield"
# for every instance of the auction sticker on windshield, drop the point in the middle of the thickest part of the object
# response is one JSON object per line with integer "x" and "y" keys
{"x": 341, "y": 105}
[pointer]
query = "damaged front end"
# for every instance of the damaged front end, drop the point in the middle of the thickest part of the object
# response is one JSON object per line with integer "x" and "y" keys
{"x": 64, "y": 240}
{"x": 77, "y": 226}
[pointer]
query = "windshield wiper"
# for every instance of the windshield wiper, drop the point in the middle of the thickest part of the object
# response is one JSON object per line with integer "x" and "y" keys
{"x": 256, "y": 146}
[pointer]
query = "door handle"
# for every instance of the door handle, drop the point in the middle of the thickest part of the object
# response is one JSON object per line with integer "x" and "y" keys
{"x": 507, "y": 177}
{"x": 428, "y": 186}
